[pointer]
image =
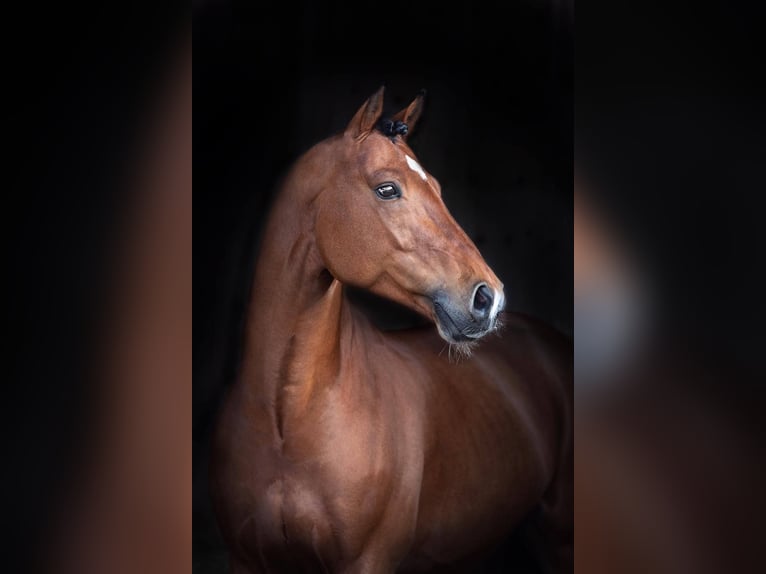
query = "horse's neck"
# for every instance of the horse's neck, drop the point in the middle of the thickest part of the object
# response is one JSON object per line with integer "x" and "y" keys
{"x": 297, "y": 313}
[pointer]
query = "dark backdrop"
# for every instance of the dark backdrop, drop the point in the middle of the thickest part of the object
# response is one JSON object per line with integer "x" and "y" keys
{"x": 79, "y": 82}
{"x": 496, "y": 132}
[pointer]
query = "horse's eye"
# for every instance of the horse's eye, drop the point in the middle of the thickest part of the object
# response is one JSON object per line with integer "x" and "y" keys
{"x": 388, "y": 191}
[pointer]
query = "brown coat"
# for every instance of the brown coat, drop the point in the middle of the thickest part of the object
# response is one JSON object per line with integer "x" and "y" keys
{"x": 346, "y": 449}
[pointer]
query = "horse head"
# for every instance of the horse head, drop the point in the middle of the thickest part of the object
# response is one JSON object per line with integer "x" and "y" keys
{"x": 381, "y": 225}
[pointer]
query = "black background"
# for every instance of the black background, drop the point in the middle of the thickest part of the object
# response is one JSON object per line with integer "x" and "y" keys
{"x": 496, "y": 132}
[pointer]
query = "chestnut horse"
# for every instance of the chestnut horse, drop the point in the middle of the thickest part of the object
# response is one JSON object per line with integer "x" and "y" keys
{"x": 342, "y": 448}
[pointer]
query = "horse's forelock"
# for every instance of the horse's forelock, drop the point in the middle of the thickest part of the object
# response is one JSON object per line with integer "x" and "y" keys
{"x": 392, "y": 128}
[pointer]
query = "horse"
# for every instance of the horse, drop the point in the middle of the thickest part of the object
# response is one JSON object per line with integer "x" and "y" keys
{"x": 345, "y": 448}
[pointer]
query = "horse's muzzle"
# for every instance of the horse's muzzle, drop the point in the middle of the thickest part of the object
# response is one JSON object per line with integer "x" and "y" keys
{"x": 462, "y": 323}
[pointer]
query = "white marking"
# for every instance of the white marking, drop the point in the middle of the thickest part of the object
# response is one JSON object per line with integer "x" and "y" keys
{"x": 415, "y": 166}
{"x": 499, "y": 296}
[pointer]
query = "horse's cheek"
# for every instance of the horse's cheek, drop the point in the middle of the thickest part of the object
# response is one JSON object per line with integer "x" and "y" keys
{"x": 344, "y": 249}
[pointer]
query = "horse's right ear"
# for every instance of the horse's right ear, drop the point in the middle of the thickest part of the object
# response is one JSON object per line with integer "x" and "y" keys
{"x": 411, "y": 114}
{"x": 367, "y": 117}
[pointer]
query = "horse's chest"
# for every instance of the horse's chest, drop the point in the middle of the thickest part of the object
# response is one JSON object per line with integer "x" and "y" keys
{"x": 338, "y": 481}
{"x": 289, "y": 528}
{"x": 313, "y": 516}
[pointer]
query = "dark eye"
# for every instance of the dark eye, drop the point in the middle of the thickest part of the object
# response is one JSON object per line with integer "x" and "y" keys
{"x": 388, "y": 191}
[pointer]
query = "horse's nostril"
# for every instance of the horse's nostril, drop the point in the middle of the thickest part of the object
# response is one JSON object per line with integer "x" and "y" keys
{"x": 482, "y": 301}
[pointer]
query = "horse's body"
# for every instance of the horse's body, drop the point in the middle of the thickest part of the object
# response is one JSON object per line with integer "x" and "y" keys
{"x": 346, "y": 449}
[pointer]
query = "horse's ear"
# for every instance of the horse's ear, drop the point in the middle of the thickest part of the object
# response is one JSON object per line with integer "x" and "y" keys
{"x": 411, "y": 113}
{"x": 368, "y": 115}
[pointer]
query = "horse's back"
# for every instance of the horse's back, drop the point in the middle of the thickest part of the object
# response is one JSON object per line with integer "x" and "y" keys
{"x": 547, "y": 357}
{"x": 533, "y": 345}
{"x": 541, "y": 358}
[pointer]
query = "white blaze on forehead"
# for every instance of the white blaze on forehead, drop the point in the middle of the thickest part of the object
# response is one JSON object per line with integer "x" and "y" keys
{"x": 415, "y": 166}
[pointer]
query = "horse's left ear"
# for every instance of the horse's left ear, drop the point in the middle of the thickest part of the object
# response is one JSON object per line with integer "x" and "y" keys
{"x": 411, "y": 114}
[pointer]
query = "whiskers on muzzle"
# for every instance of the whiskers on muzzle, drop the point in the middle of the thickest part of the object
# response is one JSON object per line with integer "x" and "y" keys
{"x": 462, "y": 350}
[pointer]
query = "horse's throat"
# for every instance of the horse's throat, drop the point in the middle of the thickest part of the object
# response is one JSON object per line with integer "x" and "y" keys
{"x": 312, "y": 360}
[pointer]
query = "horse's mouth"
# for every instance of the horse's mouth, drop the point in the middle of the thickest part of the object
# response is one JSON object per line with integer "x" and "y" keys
{"x": 449, "y": 328}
